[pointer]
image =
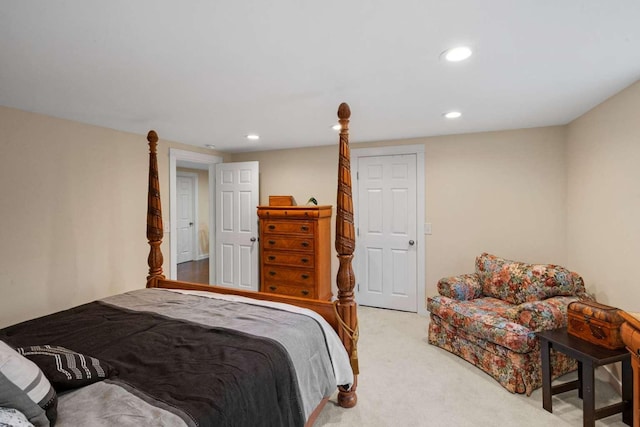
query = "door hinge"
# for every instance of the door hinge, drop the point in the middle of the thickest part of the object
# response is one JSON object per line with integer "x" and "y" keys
{"x": 357, "y": 175}
{"x": 358, "y": 287}
{"x": 358, "y": 231}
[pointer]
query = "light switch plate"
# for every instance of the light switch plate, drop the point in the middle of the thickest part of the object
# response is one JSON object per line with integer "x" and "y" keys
{"x": 427, "y": 228}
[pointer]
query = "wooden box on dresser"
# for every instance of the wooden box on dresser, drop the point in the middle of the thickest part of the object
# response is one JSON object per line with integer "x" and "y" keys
{"x": 295, "y": 250}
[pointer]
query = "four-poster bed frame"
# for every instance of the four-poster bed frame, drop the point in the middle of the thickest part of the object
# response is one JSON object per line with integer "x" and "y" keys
{"x": 341, "y": 314}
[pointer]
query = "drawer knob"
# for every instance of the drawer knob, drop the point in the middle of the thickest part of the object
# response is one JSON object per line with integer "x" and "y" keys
{"x": 305, "y": 260}
{"x": 305, "y": 276}
{"x": 271, "y": 257}
{"x": 272, "y": 273}
{"x": 272, "y": 242}
{"x": 305, "y": 244}
{"x": 272, "y": 288}
{"x": 305, "y": 228}
{"x": 272, "y": 227}
{"x": 305, "y": 292}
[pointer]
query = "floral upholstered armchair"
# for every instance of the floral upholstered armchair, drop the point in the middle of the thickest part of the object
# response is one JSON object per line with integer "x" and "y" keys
{"x": 490, "y": 318}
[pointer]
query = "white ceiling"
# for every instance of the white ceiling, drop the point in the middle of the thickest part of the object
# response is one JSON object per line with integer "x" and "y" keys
{"x": 211, "y": 72}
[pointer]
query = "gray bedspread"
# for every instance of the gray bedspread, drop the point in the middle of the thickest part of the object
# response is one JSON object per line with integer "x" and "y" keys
{"x": 300, "y": 335}
{"x": 111, "y": 403}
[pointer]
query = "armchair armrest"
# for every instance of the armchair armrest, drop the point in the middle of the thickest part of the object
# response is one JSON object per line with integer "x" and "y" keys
{"x": 463, "y": 287}
{"x": 550, "y": 313}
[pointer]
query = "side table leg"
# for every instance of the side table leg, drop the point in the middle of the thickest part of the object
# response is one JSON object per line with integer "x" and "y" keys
{"x": 580, "y": 379}
{"x": 545, "y": 353}
{"x": 588, "y": 395}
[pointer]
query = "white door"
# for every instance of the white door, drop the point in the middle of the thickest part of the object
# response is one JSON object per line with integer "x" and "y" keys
{"x": 237, "y": 225}
{"x": 185, "y": 190}
{"x": 387, "y": 232}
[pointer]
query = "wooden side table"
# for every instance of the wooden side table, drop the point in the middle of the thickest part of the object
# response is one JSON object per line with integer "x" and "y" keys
{"x": 589, "y": 357}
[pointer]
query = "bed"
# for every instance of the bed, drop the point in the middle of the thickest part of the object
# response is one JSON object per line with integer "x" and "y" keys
{"x": 184, "y": 354}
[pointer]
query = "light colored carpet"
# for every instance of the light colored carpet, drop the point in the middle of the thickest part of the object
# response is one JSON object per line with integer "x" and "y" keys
{"x": 405, "y": 381}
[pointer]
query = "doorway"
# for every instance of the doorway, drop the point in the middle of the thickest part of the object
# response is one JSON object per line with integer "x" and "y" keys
{"x": 389, "y": 218}
{"x": 200, "y": 162}
{"x": 232, "y": 222}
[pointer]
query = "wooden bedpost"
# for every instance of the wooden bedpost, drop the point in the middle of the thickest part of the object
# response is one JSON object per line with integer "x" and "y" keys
{"x": 345, "y": 245}
{"x": 154, "y": 215}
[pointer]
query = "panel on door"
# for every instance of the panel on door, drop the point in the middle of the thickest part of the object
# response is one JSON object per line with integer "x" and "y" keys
{"x": 387, "y": 226}
{"x": 237, "y": 225}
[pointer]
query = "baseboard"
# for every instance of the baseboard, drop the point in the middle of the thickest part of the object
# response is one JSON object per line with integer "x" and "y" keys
{"x": 201, "y": 257}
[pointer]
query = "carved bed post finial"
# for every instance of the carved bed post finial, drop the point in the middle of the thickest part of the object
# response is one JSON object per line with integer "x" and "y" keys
{"x": 345, "y": 245}
{"x": 154, "y": 215}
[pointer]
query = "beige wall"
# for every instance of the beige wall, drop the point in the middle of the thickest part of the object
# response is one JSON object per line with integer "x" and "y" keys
{"x": 73, "y": 210}
{"x": 567, "y": 195}
{"x": 301, "y": 173}
{"x": 203, "y": 210}
{"x": 603, "y": 149}
{"x": 501, "y": 192}
{"x": 498, "y": 192}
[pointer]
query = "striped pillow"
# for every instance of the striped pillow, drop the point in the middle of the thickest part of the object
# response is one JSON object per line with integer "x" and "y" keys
{"x": 67, "y": 369}
{"x": 24, "y": 387}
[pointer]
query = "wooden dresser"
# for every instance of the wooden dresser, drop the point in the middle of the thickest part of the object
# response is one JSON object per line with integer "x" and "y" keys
{"x": 295, "y": 250}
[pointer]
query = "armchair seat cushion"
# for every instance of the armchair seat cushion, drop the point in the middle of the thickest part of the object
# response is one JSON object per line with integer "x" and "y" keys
{"x": 486, "y": 318}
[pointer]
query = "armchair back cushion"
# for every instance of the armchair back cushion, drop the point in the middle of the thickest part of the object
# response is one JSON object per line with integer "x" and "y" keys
{"x": 519, "y": 282}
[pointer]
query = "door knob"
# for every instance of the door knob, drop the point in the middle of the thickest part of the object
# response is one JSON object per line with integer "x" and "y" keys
{"x": 253, "y": 239}
{"x": 411, "y": 243}
{"x": 190, "y": 224}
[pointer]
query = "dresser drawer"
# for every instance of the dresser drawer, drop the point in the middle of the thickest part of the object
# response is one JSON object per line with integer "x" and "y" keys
{"x": 288, "y": 243}
{"x": 297, "y": 291}
{"x": 289, "y": 258}
{"x": 288, "y": 227}
{"x": 291, "y": 276}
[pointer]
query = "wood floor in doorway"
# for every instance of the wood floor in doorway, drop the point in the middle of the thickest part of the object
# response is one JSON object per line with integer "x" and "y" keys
{"x": 194, "y": 271}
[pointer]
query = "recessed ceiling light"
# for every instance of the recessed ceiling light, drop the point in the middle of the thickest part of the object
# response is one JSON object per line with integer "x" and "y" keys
{"x": 210, "y": 146}
{"x": 452, "y": 114}
{"x": 336, "y": 127}
{"x": 457, "y": 54}
{"x": 253, "y": 137}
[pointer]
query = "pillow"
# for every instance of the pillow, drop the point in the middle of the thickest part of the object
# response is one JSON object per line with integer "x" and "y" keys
{"x": 65, "y": 368}
{"x": 24, "y": 387}
{"x": 519, "y": 282}
{"x": 14, "y": 418}
{"x": 541, "y": 315}
{"x": 463, "y": 287}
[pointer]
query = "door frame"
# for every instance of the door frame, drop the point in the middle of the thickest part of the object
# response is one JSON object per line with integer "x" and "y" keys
{"x": 418, "y": 150}
{"x": 194, "y": 205}
{"x": 170, "y": 226}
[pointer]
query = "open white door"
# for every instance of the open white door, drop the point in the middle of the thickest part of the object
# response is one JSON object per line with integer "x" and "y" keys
{"x": 236, "y": 235}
